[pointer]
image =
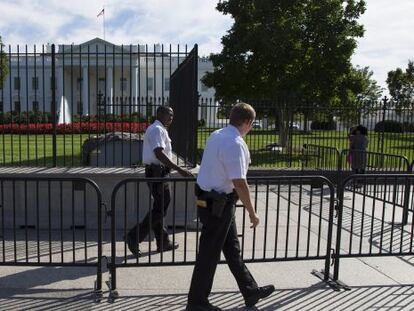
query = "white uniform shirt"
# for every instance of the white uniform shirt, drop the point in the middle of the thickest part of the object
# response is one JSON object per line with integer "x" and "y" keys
{"x": 156, "y": 136}
{"x": 226, "y": 157}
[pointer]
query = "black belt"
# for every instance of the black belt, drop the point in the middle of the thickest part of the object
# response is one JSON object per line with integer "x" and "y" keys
{"x": 206, "y": 194}
{"x": 158, "y": 169}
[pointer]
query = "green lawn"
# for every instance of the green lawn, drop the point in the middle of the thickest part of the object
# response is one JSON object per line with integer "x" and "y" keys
{"x": 36, "y": 150}
{"x": 401, "y": 144}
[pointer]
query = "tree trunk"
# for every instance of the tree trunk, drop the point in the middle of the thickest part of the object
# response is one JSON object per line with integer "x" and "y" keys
{"x": 283, "y": 119}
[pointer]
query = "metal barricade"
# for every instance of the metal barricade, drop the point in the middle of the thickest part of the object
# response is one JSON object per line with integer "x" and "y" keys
{"x": 51, "y": 222}
{"x": 297, "y": 215}
{"x": 369, "y": 226}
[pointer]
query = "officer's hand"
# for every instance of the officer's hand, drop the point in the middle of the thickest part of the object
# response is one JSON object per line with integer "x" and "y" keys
{"x": 185, "y": 173}
{"x": 254, "y": 220}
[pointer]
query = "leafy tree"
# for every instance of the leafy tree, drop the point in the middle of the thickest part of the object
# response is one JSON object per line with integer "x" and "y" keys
{"x": 401, "y": 87}
{"x": 358, "y": 95}
{"x": 3, "y": 65}
{"x": 296, "y": 50}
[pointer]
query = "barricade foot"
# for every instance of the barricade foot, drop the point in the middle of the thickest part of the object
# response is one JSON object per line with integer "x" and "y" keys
{"x": 97, "y": 293}
{"x": 334, "y": 284}
{"x": 113, "y": 294}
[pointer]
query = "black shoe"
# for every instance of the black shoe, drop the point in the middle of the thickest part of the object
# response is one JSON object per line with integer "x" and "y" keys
{"x": 133, "y": 246}
{"x": 167, "y": 246}
{"x": 203, "y": 307}
{"x": 260, "y": 293}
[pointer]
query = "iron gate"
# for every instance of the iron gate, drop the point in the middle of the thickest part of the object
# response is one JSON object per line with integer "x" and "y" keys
{"x": 184, "y": 101}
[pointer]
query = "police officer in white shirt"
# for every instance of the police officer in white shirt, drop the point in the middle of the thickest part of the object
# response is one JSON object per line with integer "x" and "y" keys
{"x": 157, "y": 155}
{"x": 220, "y": 183}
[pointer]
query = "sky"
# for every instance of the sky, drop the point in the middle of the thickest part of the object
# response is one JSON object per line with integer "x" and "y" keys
{"x": 386, "y": 45}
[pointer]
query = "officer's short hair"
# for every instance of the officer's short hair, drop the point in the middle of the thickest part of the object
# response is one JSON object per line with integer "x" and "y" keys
{"x": 163, "y": 110}
{"x": 241, "y": 113}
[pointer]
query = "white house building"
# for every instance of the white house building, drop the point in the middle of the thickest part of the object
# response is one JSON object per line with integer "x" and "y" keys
{"x": 97, "y": 76}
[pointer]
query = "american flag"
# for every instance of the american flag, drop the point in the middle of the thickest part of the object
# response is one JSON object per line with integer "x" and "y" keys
{"x": 101, "y": 13}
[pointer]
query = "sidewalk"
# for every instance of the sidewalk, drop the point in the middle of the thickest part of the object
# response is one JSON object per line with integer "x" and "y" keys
{"x": 377, "y": 284}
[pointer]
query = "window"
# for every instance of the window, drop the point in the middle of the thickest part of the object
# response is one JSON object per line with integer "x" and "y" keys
{"x": 150, "y": 84}
{"x": 79, "y": 84}
{"x": 101, "y": 85}
{"x": 17, "y": 83}
{"x": 123, "y": 84}
{"x": 52, "y": 83}
{"x": 79, "y": 107}
{"x": 166, "y": 84}
{"x": 204, "y": 88}
{"x": 35, "y": 106}
{"x": 17, "y": 106}
{"x": 35, "y": 83}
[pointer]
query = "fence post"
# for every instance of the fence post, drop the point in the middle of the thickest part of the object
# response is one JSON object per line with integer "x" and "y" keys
{"x": 53, "y": 107}
{"x": 384, "y": 111}
{"x": 406, "y": 204}
{"x": 340, "y": 206}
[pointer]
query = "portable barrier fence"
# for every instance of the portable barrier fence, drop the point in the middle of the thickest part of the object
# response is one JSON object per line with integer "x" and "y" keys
{"x": 51, "y": 222}
{"x": 58, "y": 222}
{"x": 368, "y": 226}
{"x": 296, "y": 222}
{"x": 375, "y": 162}
{"x": 323, "y": 158}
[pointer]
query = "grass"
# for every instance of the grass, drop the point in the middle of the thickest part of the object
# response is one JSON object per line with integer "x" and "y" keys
{"x": 36, "y": 150}
{"x": 401, "y": 144}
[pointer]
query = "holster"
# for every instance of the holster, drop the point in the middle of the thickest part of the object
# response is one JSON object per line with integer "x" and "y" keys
{"x": 211, "y": 199}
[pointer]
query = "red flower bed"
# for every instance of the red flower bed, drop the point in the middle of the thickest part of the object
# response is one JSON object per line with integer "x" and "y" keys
{"x": 74, "y": 128}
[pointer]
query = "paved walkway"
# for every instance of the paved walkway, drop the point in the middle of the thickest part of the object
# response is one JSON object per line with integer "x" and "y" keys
{"x": 380, "y": 283}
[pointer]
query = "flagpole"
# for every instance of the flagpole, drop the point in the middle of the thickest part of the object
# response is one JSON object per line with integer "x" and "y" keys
{"x": 104, "y": 22}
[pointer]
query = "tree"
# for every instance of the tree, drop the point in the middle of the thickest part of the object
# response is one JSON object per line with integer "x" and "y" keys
{"x": 3, "y": 65}
{"x": 296, "y": 50}
{"x": 401, "y": 87}
{"x": 361, "y": 93}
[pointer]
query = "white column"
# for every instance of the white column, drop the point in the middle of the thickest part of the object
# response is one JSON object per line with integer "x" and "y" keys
{"x": 59, "y": 88}
{"x": 109, "y": 91}
{"x": 134, "y": 83}
{"x": 59, "y": 84}
{"x": 85, "y": 99}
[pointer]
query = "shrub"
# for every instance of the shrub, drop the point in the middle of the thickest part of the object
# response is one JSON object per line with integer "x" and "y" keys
{"x": 323, "y": 125}
{"x": 202, "y": 123}
{"x": 389, "y": 126}
{"x": 408, "y": 127}
{"x": 74, "y": 128}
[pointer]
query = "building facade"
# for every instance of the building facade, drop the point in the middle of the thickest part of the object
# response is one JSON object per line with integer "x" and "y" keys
{"x": 96, "y": 77}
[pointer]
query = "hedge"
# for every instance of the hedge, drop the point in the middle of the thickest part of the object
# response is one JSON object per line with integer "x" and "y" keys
{"x": 74, "y": 128}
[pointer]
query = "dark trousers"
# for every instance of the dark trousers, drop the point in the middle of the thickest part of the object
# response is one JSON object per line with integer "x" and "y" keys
{"x": 154, "y": 218}
{"x": 218, "y": 234}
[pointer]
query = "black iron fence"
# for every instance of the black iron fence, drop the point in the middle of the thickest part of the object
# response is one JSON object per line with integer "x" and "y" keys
{"x": 283, "y": 126}
{"x": 56, "y": 100}
{"x": 58, "y": 222}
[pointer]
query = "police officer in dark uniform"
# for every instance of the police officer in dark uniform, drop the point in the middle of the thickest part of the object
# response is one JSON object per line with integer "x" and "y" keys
{"x": 157, "y": 155}
{"x": 220, "y": 183}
